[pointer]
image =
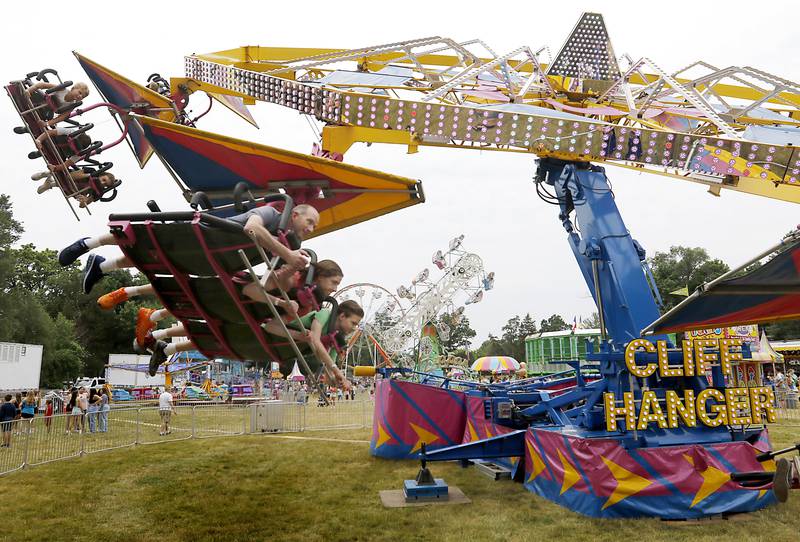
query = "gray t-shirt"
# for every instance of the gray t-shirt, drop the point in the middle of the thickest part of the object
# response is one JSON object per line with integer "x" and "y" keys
{"x": 269, "y": 216}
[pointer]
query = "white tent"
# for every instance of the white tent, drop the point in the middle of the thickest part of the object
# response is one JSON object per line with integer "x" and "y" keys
{"x": 295, "y": 375}
{"x": 766, "y": 352}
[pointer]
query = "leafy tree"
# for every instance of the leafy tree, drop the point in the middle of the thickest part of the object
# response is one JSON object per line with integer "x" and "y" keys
{"x": 554, "y": 323}
{"x": 514, "y": 333}
{"x": 10, "y": 232}
{"x": 683, "y": 267}
{"x": 592, "y": 322}
{"x": 63, "y": 356}
{"x": 461, "y": 333}
{"x": 492, "y": 346}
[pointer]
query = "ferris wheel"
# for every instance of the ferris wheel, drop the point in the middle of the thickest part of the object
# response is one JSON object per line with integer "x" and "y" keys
{"x": 382, "y": 310}
{"x": 391, "y": 330}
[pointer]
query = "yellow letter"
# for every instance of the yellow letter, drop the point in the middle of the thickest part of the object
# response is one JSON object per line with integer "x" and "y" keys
{"x": 685, "y": 409}
{"x": 736, "y": 400}
{"x": 630, "y": 358}
{"x": 650, "y": 404}
{"x": 688, "y": 358}
{"x": 726, "y": 356}
{"x": 720, "y": 409}
{"x": 612, "y": 411}
{"x": 663, "y": 361}
{"x": 762, "y": 399}
{"x": 701, "y": 357}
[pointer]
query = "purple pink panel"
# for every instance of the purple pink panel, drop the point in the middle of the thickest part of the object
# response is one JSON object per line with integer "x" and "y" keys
{"x": 600, "y": 478}
{"x": 409, "y": 414}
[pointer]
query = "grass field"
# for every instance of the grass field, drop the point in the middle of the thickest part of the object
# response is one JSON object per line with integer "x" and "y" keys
{"x": 311, "y": 486}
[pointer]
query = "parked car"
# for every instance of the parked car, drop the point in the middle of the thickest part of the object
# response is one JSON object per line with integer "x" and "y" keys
{"x": 90, "y": 382}
{"x": 118, "y": 394}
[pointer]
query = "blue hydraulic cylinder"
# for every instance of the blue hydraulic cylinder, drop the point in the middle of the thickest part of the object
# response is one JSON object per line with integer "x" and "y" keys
{"x": 599, "y": 234}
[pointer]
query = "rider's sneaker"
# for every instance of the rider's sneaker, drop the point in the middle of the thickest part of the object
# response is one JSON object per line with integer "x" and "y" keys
{"x": 112, "y": 299}
{"x": 73, "y": 252}
{"x": 40, "y": 175}
{"x": 92, "y": 272}
{"x": 20, "y": 129}
{"x": 157, "y": 357}
{"x": 781, "y": 483}
{"x": 47, "y": 185}
{"x": 143, "y": 324}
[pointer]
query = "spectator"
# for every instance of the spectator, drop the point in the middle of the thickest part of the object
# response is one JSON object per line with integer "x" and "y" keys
{"x": 48, "y": 414}
{"x": 83, "y": 405}
{"x": 94, "y": 408}
{"x": 7, "y": 414}
{"x": 165, "y": 409}
{"x": 105, "y": 406}
{"x": 18, "y": 406}
{"x": 74, "y": 412}
{"x": 28, "y": 407}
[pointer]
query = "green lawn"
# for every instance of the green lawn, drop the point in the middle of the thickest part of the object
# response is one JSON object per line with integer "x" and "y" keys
{"x": 266, "y": 487}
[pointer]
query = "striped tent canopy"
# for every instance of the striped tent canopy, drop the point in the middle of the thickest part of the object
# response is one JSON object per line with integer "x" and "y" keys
{"x": 495, "y": 364}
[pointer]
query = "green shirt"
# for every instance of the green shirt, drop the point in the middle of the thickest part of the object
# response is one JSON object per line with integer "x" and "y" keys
{"x": 285, "y": 352}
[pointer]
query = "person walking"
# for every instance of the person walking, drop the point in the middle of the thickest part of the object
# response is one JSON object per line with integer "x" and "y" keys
{"x": 166, "y": 409}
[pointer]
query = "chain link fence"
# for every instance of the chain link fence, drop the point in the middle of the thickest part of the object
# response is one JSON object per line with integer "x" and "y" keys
{"x": 44, "y": 439}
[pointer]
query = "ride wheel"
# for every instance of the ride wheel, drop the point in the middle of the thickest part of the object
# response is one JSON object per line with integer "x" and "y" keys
{"x": 374, "y": 342}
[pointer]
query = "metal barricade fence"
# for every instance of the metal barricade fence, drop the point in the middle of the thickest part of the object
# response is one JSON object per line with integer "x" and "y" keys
{"x": 220, "y": 420}
{"x": 788, "y": 405}
{"x": 338, "y": 415}
{"x": 44, "y": 439}
{"x": 154, "y": 425}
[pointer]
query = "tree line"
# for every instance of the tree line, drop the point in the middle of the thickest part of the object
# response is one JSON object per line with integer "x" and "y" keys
{"x": 677, "y": 272}
{"x": 42, "y": 303}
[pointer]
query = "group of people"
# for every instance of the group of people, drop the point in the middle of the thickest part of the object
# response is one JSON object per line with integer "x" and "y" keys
{"x": 92, "y": 405}
{"x": 70, "y": 143}
{"x": 13, "y": 409}
{"x": 323, "y": 337}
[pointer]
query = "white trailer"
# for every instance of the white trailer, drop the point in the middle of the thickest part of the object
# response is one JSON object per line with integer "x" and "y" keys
{"x": 120, "y": 372}
{"x": 20, "y": 366}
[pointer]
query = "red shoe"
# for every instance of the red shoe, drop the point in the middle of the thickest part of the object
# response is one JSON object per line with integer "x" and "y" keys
{"x": 143, "y": 325}
{"x": 112, "y": 299}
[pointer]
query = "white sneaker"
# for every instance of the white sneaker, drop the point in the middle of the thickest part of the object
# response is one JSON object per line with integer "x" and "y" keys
{"x": 47, "y": 185}
{"x": 39, "y": 176}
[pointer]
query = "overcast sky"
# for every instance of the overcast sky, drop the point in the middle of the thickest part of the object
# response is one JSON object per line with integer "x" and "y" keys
{"x": 488, "y": 196}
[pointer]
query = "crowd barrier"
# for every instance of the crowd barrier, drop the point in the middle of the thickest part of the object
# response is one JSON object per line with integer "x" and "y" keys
{"x": 45, "y": 439}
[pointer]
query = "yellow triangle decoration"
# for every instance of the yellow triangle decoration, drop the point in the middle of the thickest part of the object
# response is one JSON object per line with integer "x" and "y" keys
{"x": 628, "y": 483}
{"x": 769, "y": 465}
{"x": 383, "y": 437}
{"x": 713, "y": 479}
{"x": 489, "y": 432}
{"x": 473, "y": 435}
{"x": 424, "y": 436}
{"x": 571, "y": 476}
{"x": 537, "y": 463}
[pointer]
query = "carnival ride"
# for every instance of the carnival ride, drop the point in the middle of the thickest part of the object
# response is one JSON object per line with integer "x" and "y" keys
{"x": 392, "y": 331}
{"x": 728, "y": 129}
